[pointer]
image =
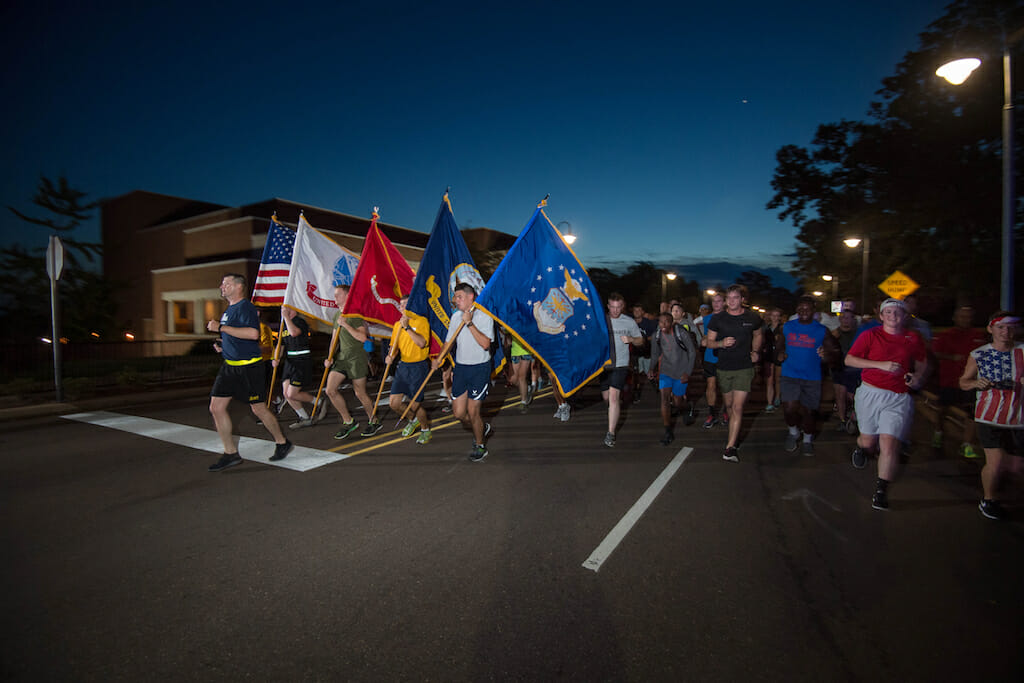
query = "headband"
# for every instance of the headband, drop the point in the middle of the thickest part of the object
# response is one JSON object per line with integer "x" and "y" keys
{"x": 1005, "y": 319}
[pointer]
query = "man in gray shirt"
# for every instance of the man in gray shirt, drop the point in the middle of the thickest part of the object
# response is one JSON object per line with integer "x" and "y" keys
{"x": 624, "y": 331}
{"x": 673, "y": 354}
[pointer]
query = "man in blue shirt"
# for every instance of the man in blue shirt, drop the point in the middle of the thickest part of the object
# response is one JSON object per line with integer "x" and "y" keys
{"x": 242, "y": 375}
{"x": 803, "y": 345}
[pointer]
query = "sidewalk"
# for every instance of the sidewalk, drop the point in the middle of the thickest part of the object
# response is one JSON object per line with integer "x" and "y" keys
{"x": 109, "y": 402}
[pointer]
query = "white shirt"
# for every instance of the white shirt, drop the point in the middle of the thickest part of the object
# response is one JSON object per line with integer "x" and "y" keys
{"x": 467, "y": 350}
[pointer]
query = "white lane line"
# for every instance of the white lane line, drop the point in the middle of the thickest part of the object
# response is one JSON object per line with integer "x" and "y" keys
{"x": 301, "y": 459}
{"x": 615, "y": 536}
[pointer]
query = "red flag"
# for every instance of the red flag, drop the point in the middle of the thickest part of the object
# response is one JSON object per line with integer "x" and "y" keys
{"x": 381, "y": 279}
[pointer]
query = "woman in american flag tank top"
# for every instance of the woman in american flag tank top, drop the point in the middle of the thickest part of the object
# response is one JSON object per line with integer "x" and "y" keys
{"x": 996, "y": 372}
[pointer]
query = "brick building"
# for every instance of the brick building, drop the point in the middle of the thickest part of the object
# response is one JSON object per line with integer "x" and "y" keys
{"x": 167, "y": 254}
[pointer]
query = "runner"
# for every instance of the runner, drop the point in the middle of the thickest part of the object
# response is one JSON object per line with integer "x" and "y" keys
{"x": 996, "y": 372}
{"x": 242, "y": 375}
{"x": 349, "y": 362}
{"x": 803, "y": 345}
{"x": 673, "y": 353}
{"x": 410, "y": 340}
{"x": 736, "y": 334}
{"x": 894, "y": 361}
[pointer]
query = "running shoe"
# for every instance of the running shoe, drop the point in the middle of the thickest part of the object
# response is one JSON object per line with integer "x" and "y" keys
{"x": 346, "y": 429}
{"x": 860, "y": 458}
{"x": 306, "y": 422}
{"x": 609, "y": 440}
{"x": 791, "y": 440}
{"x": 321, "y": 412}
{"x": 991, "y": 509}
{"x": 565, "y": 412}
{"x": 226, "y": 460}
{"x": 710, "y": 422}
{"x": 807, "y": 448}
{"x": 281, "y": 450}
{"x": 371, "y": 429}
{"x": 524, "y": 407}
{"x": 769, "y": 408}
{"x": 478, "y": 453}
{"x": 841, "y": 426}
{"x": 487, "y": 431}
{"x": 690, "y": 417}
{"x": 880, "y": 501}
{"x": 411, "y": 427}
{"x": 668, "y": 438}
{"x": 731, "y": 454}
{"x": 968, "y": 451}
{"x": 724, "y": 421}
{"x": 425, "y": 436}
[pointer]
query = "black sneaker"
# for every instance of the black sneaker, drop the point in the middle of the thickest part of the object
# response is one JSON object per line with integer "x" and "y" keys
{"x": 860, "y": 458}
{"x": 282, "y": 450}
{"x": 668, "y": 438}
{"x": 372, "y": 428}
{"x": 709, "y": 422}
{"x": 991, "y": 509}
{"x": 880, "y": 501}
{"x": 731, "y": 454}
{"x": 690, "y": 417}
{"x": 609, "y": 440}
{"x": 346, "y": 429}
{"x": 478, "y": 453}
{"x": 791, "y": 441}
{"x": 226, "y": 460}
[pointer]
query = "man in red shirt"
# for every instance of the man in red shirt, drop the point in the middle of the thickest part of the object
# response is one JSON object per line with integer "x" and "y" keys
{"x": 894, "y": 360}
{"x": 952, "y": 349}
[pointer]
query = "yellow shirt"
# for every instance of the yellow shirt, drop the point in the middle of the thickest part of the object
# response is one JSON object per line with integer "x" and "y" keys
{"x": 407, "y": 349}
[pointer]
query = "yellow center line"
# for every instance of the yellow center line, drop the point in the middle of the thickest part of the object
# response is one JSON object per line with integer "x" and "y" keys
{"x": 442, "y": 423}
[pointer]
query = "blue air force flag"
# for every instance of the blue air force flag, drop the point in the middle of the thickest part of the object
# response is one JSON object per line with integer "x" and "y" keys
{"x": 543, "y": 295}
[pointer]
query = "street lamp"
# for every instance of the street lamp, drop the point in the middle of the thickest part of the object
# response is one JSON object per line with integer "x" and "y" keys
{"x": 567, "y": 235}
{"x": 835, "y": 285}
{"x": 852, "y": 243}
{"x": 665, "y": 277}
{"x": 956, "y": 72}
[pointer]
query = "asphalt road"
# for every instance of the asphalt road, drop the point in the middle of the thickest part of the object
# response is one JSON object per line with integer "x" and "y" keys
{"x": 124, "y": 559}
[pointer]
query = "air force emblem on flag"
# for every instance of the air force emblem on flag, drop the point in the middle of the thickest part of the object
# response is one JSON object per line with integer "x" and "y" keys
{"x": 557, "y": 307}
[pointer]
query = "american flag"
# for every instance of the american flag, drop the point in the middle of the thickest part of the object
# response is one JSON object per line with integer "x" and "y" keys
{"x": 1003, "y": 404}
{"x": 272, "y": 278}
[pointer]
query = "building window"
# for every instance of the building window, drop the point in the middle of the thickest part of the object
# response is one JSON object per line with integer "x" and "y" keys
{"x": 183, "y": 317}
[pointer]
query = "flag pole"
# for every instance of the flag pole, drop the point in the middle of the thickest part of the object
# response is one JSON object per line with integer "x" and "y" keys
{"x": 277, "y": 357}
{"x": 380, "y": 391}
{"x": 327, "y": 370}
{"x": 440, "y": 359}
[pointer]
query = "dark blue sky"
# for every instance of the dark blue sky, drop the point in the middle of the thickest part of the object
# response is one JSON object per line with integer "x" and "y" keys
{"x": 652, "y": 125}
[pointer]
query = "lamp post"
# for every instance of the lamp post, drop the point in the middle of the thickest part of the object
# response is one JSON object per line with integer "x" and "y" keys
{"x": 852, "y": 242}
{"x": 567, "y": 235}
{"x": 956, "y": 72}
{"x": 665, "y": 277}
{"x": 835, "y": 285}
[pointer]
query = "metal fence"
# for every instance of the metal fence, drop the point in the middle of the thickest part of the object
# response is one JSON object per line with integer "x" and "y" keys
{"x": 88, "y": 368}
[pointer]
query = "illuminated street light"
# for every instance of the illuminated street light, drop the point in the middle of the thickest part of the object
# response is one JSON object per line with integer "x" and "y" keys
{"x": 664, "y": 281}
{"x": 567, "y": 235}
{"x": 956, "y": 72}
{"x": 835, "y": 284}
{"x": 818, "y": 293}
{"x": 852, "y": 243}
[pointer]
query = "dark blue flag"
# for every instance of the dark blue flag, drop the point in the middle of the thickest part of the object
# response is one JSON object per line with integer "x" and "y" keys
{"x": 446, "y": 262}
{"x": 543, "y": 295}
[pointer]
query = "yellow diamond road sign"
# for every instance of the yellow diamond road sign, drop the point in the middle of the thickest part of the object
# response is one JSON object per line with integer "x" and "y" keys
{"x": 898, "y": 285}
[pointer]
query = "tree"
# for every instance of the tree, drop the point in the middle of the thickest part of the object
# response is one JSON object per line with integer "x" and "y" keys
{"x": 86, "y": 297}
{"x": 921, "y": 176}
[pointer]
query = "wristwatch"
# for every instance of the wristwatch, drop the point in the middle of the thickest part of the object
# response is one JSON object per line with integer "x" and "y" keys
{"x": 469, "y": 324}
